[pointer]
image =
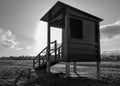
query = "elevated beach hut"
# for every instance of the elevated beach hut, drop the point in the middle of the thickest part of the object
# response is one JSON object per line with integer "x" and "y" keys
{"x": 80, "y": 34}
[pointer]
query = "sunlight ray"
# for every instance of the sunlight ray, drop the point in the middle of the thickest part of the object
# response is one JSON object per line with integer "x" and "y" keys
{"x": 40, "y": 37}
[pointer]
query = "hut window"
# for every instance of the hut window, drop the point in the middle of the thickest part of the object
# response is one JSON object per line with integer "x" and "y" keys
{"x": 76, "y": 28}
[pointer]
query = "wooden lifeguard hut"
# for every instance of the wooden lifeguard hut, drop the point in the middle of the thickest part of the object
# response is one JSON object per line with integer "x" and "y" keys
{"x": 80, "y": 38}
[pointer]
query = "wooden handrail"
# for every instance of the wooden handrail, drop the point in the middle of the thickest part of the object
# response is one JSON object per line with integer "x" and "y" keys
{"x": 39, "y": 55}
{"x": 52, "y": 42}
{"x": 45, "y": 49}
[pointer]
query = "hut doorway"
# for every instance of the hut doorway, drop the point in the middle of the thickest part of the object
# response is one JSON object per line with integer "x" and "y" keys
{"x": 56, "y": 34}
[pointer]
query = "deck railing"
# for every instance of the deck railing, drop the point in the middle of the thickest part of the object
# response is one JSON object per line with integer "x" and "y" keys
{"x": 41, "y": 58}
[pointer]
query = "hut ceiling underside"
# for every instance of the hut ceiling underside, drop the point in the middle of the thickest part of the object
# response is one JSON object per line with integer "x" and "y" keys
{"x": 55, "y": 16}
{"x": 58, "y": 21}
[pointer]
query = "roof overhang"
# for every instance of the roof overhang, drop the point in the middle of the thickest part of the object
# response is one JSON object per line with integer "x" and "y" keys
{"x": 59, "y": 6}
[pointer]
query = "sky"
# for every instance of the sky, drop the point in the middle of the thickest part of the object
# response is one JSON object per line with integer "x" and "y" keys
{"x": 22, "y": 32}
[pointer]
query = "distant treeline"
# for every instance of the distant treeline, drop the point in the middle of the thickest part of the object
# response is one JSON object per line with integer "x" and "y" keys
{"x": 17, "y": 58}
{"x": 103, "y": 58}
{"x": 110, "y": 57}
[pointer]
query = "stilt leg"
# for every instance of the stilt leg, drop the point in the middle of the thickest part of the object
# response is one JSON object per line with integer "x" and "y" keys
{"x": 98, "y": 70}
{"x": 48, "y": 67}
{"x": 67, "y": 69}
{"x": 74, "y": 67}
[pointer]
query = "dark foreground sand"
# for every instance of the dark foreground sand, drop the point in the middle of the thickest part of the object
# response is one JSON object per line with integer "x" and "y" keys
{"x": 59, "y": 79}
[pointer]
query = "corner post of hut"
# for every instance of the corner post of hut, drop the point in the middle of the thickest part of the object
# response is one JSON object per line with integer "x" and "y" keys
{"x": 48, "y": 44}
{"x": 99, "y": 54}
{"x": 67, "y": 33}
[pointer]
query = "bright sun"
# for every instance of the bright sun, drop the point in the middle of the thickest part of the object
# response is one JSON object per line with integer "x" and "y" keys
{"x": 41, "y": 36}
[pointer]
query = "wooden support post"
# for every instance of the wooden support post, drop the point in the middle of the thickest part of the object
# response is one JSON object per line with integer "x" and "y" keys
{"x": 98, "y": 51}
{"x": 74, "y": 67}
{"x": 59, "y": 58}
{"x": 67, "y": 69}
{"x": 55, "y": 50}
{"x": 48, "y": 67}
{"x": 48, "y": 49}
{"x": 98, "y": 70}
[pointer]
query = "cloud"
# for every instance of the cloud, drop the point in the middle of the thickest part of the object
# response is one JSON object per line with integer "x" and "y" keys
{"x": 19, "y": 48}
{"x": 110, "y": 31}
{"x": 7, "y": 39}
{"x": 111, "y": 52}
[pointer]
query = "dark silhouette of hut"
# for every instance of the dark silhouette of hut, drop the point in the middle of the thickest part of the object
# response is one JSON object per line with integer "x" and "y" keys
{"x": 80, "y": 38}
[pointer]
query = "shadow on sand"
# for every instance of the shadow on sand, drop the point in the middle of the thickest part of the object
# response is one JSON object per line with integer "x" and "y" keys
{"x": 59, "y": 79}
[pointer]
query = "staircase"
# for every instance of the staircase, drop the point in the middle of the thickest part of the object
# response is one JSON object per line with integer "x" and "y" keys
{"x": 40, "y": 61}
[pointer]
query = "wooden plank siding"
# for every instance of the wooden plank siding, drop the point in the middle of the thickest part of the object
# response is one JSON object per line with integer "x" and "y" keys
{"x": 82, "y": 58}
{"x": 80, "y": 52}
